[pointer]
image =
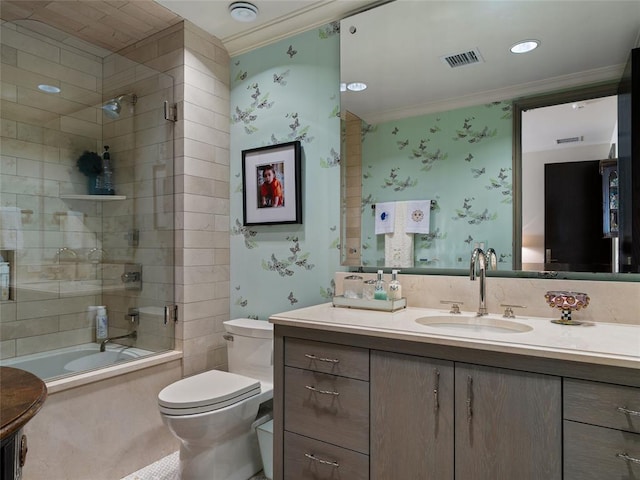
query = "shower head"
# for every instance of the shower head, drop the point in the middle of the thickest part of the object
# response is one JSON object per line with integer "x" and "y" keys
{"x": 111, "y": 108}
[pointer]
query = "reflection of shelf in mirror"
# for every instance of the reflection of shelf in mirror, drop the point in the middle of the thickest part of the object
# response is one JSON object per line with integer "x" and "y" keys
{"x": 97, "y": 198}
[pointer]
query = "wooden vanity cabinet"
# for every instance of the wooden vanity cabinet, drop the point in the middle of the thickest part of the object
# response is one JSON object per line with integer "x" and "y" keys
{"x": 410, "y": 409}
{"x": 507, "y": 423}
{"x": 411, "y": 417}
{"x": 326, "y": 411}
{"x": 601, "y": 431}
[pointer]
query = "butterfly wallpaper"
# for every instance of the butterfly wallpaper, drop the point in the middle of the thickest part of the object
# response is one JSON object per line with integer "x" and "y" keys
{"x": 459, "y": 159}
{"x": 279, "y": 93}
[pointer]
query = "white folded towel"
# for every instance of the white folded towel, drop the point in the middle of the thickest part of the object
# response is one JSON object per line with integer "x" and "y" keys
{"x": 11, "y": 236}
{"x": 418, "y": 213}
{"x": 75, "y": 234}
{"x": 385, "y": 217}
{"x": 398, "y": 246}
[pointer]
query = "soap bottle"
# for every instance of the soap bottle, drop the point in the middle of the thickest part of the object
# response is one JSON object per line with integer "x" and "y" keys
{"x": 107, "y": 173}
{"x": 380, "y": 292}
{"x": 102, "y": 323}
{"x": 395, "y": 289}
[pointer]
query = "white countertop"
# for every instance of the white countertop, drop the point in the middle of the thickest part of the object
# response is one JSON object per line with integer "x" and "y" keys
{"x": 597, "y": 343}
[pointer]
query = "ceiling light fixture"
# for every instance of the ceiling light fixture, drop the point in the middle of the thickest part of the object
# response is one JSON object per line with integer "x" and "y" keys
{"x": 48, "y": 88}
{"x": 525, "y": 46}
{"x": 243, "y": 11}
{"x": 356, "y": 86}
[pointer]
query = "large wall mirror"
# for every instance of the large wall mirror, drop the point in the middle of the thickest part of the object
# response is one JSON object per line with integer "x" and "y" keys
{"x": 450, "y": 116}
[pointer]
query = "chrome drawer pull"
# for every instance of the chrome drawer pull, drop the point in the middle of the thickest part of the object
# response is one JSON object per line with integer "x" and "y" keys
{"x": 436, "y": 387}
{"x": 469, "y": 398}
{"x": 321, "y": 359}
{"x": 319, "y": 460}
{"x": 324, "y": 392}
{"x": 628, "y": 412}
{"x": 626, "y": 457}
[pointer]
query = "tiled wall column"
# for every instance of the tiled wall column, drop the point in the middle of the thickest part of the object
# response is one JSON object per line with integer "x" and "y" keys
{"x": 353, "y": 188}
{"x": 202, "y": 176}
{"x": 199, "y": 65}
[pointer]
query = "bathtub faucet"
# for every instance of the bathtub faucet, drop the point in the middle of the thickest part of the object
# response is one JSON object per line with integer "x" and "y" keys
{"x": 103, "y": 344}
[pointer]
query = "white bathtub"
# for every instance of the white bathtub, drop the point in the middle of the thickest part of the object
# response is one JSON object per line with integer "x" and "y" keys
{"x": 71, "y": 360}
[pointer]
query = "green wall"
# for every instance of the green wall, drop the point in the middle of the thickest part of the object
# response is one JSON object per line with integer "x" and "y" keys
{"x": 279, "y": 93}
{"x": 459, "y": 159}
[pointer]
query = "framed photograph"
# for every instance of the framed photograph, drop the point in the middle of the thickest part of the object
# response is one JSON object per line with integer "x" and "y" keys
{"x": 271, "y": 184}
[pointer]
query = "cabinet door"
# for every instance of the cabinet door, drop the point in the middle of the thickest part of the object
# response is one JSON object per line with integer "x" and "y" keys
{"x": 411, "y": 417}
{"x": 508, "y": 424}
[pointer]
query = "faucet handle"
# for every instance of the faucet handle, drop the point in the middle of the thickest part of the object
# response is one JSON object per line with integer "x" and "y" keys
{"x": 455, "y": 305}
{"x": 508, "y": 311}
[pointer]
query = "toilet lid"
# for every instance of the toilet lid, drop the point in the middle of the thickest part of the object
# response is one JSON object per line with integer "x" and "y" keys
{"x": 206, "y": 392}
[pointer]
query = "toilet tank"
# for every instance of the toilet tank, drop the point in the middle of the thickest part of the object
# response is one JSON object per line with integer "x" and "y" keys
{"x": 250, "y": 348}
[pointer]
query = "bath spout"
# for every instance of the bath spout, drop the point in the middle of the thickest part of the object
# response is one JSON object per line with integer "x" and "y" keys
{"x": 103, "y": 344}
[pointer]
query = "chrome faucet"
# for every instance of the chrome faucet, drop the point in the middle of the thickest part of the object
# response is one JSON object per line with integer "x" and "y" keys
{"x": 103, "y": 344}
{"x": 480, "y": 261}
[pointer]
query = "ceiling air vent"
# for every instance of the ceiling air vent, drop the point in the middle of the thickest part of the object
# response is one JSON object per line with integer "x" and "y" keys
{"x": 463, "y": 58}
{"x": 570, "y": 140}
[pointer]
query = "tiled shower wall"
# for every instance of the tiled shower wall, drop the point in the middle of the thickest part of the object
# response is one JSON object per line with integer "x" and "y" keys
{"x": 199, "y": 66}
{"x": 48, "y": 246}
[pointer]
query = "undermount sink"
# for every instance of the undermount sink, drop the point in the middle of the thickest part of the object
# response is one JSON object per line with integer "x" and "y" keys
{"x": 473, "y": 324}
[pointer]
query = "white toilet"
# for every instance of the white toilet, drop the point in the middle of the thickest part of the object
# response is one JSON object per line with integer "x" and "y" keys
{"x": 212, "y": 413}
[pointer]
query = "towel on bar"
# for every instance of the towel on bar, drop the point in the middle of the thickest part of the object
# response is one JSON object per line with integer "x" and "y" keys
{"x": 11, "y": 236}
{"x": 75, "y": 235}
{"x": 385, "y": 217}
{"x": 418, "y": 213}
{"x": 398, "y": 246}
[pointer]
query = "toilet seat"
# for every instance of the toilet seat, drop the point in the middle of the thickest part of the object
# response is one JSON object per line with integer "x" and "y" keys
{"x": 206, "y": 392}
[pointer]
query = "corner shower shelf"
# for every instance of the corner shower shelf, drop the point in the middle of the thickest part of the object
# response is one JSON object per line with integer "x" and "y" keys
{"x": 97, "y": 198}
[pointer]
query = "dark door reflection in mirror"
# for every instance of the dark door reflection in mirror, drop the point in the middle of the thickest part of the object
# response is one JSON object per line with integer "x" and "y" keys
{"x": 573, "y": 206}
{"x": 561, "y": 192}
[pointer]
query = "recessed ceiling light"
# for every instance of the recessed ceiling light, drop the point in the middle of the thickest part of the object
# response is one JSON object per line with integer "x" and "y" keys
{"x": 49, "y": 88}
{"x": 356, "y": 86}
{"x": 243, "y": 11}
{"x": 525, "y": 46}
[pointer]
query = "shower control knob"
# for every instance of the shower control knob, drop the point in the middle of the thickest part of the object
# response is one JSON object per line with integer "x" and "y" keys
{"x": 130, "y": 277}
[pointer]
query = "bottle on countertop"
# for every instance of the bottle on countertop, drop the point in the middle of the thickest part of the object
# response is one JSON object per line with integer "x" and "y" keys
{"x": 102, "y": 323}
{"x": 381, "y": 288}
{"x": 395, "y": 289}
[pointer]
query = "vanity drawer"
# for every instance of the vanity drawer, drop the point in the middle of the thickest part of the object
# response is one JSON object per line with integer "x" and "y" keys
{"x": 331, "y": 358}
{"x": 327, "y": 407}
{"x": 591, "y": 453}
{"x": 612, "y": 406}
{"x": 308, "y": 459}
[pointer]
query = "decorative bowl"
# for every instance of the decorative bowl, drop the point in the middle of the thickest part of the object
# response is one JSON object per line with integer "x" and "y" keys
{"x": 567, "y": 302}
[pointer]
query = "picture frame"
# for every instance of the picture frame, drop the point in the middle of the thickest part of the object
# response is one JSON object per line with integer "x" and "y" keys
{"x": 272, "y": 184}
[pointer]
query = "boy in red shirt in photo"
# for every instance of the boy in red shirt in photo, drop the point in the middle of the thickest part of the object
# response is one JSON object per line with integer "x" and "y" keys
{"x": 271, "y": 189}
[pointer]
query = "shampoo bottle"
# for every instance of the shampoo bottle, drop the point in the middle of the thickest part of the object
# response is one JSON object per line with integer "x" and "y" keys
{"x": 395, "y": 289}
{"x": 102, "y": 323}
{"x": 380, "y": 292}
{"x": 4, "y": 280}
{"x": 107, "y": 173}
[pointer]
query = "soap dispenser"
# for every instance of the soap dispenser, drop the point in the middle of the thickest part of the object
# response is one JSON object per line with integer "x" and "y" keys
{"x": 395, "y": 289}
{"x": 380, "y": 292}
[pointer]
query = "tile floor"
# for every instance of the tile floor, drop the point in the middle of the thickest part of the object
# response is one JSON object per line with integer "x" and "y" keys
{"x": 166, "y": 468}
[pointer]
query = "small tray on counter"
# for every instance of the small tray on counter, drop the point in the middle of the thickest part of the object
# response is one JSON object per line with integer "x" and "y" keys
{"x": 381, "y": 305}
